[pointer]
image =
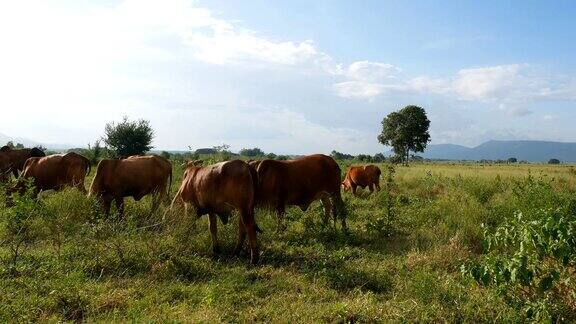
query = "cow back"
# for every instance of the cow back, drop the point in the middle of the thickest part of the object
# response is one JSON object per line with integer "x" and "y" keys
{"x": 298, "y": 181}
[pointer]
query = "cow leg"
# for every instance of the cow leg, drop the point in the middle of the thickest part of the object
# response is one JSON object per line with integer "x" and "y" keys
{"x": 80, "y": 186}
{"x": 339, "y": 208}
{"x": 120, "y": 206}
{"x": 280, "y": 211}
{"x": 241, "y": 236}
{"x": 155, "y": 201}
{"x": 371, "y": 187}
{"x": 327, "y": 204}
{"x": 354, "y": 187}
{"x": 377, "y": 185}
{"x": 248, "y": 220}
{"x": 213, "y": 225}
{"x": 106, "y": 202}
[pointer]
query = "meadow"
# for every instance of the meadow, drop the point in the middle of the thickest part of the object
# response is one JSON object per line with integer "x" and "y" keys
{"x": 439, "y": 242}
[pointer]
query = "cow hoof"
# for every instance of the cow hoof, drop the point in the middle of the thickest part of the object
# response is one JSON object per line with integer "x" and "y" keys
{"x": 255, "y": 257}
{"x": 237, "y": 251}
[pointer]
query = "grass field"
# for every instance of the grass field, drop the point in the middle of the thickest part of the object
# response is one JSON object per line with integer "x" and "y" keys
{"x": 413, "y": 253}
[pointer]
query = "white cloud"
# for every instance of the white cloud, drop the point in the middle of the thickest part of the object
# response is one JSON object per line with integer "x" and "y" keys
{"x": 371, "y": 71}
{"x": 368, "y": 79}
{"x": 485, "y": 83}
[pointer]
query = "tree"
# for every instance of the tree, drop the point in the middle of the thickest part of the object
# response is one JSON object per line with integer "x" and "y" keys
{"x": 378, "y": 158}
{"x": 166, "y": 155}
{"x": 553, "y": 161}
{"x": 364, "y": 158}
{"x": 512, "y": 160}
{"x": 271, "y": 156}
{"x": 253, "y": 152}
{"x": 406, "y": 131}
{"x": 341, "y": 156}
{"x": 129, "y": 137}
{"x": 95, "y": 152}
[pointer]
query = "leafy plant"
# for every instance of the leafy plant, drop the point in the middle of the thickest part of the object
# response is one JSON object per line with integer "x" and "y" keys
{"x": 530, "y": 253}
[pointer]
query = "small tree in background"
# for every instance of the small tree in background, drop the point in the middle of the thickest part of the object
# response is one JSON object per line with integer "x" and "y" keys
{"x": 129, "y": 137}
{"x": 553, "y": 161}
{"x": 10, "y": 144}
{"x": 341, "y": 156}
{"x": 406, "y": 131}
{"x": 166, "y": 155}
{"x": 253, "y": 152}
{"x": 378, "y": 157}
{"x": 95, "y": 152}
{"x": 512, "y": 160}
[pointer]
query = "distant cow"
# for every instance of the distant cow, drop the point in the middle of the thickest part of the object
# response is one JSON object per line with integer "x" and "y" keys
{"x": 362, "y": 176}
{"x": 12, "y": 160}
{"x": 217, "y": 190}
{"x": 300, "y": 182}
{"x": 55, "y": 172}
{"x": 135, "y": 176}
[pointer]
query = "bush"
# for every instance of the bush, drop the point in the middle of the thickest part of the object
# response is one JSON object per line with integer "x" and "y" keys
{"x": 532, "y": 253}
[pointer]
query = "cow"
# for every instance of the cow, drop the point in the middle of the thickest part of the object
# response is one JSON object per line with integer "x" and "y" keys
{"x": 299, "y": 182}
{"x": 218, "y": 189}
{"x": 12, "y": 160}
{"x": 54, "y": 172}
{"x": 134, "y": 176}
{"x": 362, "y": 176}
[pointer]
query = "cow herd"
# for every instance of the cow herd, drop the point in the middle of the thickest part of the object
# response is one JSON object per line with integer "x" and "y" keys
{"x": 214, "y": 190}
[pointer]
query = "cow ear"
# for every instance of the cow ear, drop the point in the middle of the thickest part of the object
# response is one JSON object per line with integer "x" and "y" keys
{"x": 5, "y": 148}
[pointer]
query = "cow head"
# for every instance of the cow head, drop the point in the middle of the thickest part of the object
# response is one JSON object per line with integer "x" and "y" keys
{"x": 345, "y": 185}
{"x": 36, "y": 152}
{"x": 103, "y": 170}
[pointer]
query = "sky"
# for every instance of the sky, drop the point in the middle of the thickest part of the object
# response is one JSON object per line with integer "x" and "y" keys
{"x": 290, "y": 77}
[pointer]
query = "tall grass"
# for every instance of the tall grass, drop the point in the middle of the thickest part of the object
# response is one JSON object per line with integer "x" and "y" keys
{"x": 400, "y": 261}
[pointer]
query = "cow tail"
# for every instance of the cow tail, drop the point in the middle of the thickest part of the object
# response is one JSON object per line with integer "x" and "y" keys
{"x": 88, "y": 166}
{"x": 254, "y": 176}
{"x": 169, "y": 184}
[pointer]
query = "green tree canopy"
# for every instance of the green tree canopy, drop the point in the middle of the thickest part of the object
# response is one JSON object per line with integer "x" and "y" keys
{"x": 129, "y": 137}
{"x": 251, "y": 152}
{"x": 406, "y": 131}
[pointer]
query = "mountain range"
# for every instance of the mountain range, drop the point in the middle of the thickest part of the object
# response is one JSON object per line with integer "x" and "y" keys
{"x": 532, "y": 151}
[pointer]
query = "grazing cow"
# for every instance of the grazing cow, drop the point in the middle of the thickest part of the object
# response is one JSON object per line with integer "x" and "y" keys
{"x": 362, "y": 176}
{"x": 55, "y": 172}
{"x": 218, "y": 189}
{"x": 300, "y": 182}
{"x": 134, "y": 176}
{"x": 12, "y": 160}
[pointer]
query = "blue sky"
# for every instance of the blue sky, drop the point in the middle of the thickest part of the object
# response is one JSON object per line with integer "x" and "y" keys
{"x": 287, "y": 76}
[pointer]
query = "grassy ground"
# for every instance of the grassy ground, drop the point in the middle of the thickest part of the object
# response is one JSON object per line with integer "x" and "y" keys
{"x": 401, "y": 260}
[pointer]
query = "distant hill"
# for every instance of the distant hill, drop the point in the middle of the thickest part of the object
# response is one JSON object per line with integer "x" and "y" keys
{"x": 532, "y": 151}
{"x": 24, "y": 141}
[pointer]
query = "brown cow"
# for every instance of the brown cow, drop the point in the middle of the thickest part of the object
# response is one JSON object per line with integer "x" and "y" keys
{"x": 55, "y": 172}
{"x": 135, "y": 176}
{"x": 12, "y": 160}
{"x": 217, "y": 190}
{"x": 362, "y": 176}
{"x": 300, "y": 182}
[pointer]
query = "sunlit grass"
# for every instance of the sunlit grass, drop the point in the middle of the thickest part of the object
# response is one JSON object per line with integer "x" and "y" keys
{"x": 82, "y": 266}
